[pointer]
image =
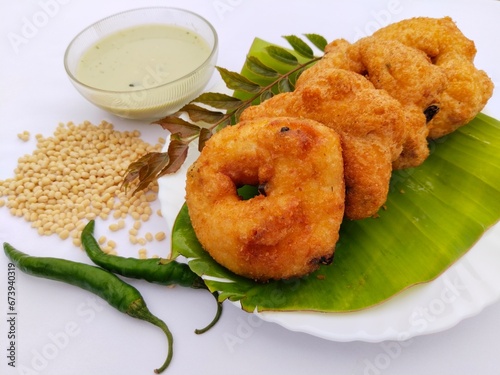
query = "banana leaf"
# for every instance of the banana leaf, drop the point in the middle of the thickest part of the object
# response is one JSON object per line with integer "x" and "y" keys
{"x": 434, "y": 214}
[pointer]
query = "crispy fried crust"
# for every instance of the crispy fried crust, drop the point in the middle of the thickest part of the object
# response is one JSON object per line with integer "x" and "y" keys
{"x": 292, "y": 226}
{"x": 407, "y": 74}
{"x": 468, "y": 89}
{"x": 381, "y": 99}
{"x": 369, "y": 122}
{"x": 425, "y": 64}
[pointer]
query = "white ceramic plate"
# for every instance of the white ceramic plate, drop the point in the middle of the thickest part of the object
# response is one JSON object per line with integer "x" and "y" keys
{"x": 462, "y": 291}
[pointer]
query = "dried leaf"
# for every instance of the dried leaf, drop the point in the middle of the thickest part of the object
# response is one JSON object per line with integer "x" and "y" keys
{"x": 205, "y": 135}
{"x": 282, "y": 55}
{"x": 257, "y": 67}
{"x": 146, "y": 170}
{"x": 235, "y": 81}
{"x": 319, "y": 41}
{"x": 197, "y": 113}
{"x": 301, "y": 47}
{"x": 176, "y": 125}
{"x": 219, "y": 101}
{"x": 177, "y": 152}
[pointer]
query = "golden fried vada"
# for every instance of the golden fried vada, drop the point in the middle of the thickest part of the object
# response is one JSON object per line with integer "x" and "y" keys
{"x": 369, "y": 121}
{"x": 292, "y": 225}
{"x": 407, "y": 74}
{"x": 468, "y": 88}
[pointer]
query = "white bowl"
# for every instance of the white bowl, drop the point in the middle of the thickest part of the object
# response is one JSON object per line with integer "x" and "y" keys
{"x": 153, "y": 98}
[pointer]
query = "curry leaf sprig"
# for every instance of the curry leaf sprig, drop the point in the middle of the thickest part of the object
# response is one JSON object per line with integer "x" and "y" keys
{"x": 210, "y": 112}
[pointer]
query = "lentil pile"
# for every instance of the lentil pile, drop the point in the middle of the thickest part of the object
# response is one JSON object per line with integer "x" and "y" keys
{"x": 74, "y": 176}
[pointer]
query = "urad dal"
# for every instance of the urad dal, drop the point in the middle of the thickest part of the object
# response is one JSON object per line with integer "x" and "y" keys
{"x": 74, "y": 176}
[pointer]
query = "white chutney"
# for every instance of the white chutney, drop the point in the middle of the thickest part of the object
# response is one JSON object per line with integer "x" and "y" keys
{"x": 142, "y": 57}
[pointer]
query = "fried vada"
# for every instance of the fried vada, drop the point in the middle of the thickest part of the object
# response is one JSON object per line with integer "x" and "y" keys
{"x": 370, "y": 124}
{"x": 407, "y": 74}
{"x": 468, "y": 88}
{"x": 292, "y": 226}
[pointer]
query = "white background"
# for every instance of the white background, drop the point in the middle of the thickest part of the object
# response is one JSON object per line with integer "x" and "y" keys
{"x": 63, "y": 330}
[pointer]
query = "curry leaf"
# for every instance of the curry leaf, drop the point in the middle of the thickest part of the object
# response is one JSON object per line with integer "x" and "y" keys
{"x": 177, "y": 153}
{"x": 218, "y": 100}
{"x": 266, "y": 95}
{"x": 284, "y": 85}
{"x": 295, "y": 77}
{"x": 282, "y": 55}
{"x": 205, "y": 135}
{"x": 175, "y": 125}
{"x": 257, "y": 67}
{"x": 146, "y": 170}
{"x": 318, "y": 41}
{"x": 235, "y": 81}
{"x": 200, "y": 114}
{"x": 301, "y": 47}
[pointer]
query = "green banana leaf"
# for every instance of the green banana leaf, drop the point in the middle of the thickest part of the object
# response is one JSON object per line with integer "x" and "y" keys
{"x": 434, "y": 214}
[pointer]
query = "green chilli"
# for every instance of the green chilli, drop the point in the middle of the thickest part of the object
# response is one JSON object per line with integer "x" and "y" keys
{"x": 109, "y": 287}
{"x": 158, "y": 271}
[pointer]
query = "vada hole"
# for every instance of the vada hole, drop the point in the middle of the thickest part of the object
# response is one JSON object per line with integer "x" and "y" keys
{"x": 246, "y": 192}
{"x": 430, "y": 112}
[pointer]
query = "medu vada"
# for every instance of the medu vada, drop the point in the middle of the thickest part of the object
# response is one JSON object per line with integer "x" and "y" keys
{"x": 292, "y": 225}
{"x": 370, "y": 123}
{"x": 468, "y": 88}
{"x": 407, "y": 74}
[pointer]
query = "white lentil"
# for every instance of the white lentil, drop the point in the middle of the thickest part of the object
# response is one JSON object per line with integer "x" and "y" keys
{"x": 64, "y": 234}
{"x": 24, "y": 136}
{"x": 65, "y": 181}
{"x": 114, "y": 227}
{"x": 151, "y": 197}
{"x": 160, "y": 236}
